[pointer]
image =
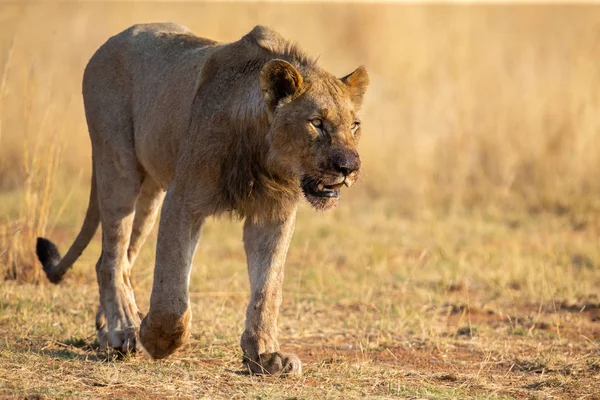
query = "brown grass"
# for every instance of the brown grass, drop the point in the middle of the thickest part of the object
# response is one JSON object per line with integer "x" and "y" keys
{"x": 464, "y": 265}
{"x": 39, "y": 155}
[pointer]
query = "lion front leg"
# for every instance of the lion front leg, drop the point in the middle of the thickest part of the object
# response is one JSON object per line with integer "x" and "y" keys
{"x": 167, "y": 325}
{"x": 266, "y": 246}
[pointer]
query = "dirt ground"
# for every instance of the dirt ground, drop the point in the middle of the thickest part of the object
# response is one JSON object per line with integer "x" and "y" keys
{"x": 359, "y": 334}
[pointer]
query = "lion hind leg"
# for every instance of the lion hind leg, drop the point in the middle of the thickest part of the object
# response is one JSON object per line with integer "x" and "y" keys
{"x": 113, "y": 269}
{"x": 119, "y": 180}
{"x": 146, "y": 211}
{"x": 101, "y": 328}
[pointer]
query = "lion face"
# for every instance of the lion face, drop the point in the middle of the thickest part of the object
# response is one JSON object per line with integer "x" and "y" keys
{"x": 315, "y": 128}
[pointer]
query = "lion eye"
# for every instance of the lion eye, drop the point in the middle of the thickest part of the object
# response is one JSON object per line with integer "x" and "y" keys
{"x": 317, "y": 122}
{"x": 355, "y": 125}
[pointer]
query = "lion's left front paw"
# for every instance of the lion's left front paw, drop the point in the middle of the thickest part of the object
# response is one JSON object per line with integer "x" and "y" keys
{"x": 275, "y": 363}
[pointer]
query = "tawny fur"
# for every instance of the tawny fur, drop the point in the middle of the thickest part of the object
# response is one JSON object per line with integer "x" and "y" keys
{"x": 244, "y": 128}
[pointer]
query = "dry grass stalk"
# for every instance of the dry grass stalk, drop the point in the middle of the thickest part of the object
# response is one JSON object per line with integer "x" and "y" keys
{"x": 39, "y": 170}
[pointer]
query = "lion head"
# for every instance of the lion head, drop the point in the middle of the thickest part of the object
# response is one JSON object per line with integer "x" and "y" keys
{"x": 314, "y": 127}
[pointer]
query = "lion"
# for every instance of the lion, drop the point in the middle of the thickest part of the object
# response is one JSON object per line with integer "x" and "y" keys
{"x": 204, "y": 128}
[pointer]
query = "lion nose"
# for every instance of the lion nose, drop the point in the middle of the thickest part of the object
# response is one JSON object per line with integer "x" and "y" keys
{"x": 346, "y": 162}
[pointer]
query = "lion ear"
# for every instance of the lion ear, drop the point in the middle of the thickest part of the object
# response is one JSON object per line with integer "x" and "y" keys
{"x": 279, "y": 80}
{"x": 357, "y": 82}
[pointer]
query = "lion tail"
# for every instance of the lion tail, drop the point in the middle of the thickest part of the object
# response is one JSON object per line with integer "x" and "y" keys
{"x": 55, "y": 267}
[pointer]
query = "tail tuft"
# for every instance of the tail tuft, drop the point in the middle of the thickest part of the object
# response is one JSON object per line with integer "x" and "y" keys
{"x": 49, "y": 257}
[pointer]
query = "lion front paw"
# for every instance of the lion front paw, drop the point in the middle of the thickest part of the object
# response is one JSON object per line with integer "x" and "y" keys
{"x": 275, "y": 363}
{"x": 160, "y": 337}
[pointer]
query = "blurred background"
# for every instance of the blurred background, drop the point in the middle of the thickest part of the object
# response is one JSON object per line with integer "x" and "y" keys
{"x": 470, "y": 106}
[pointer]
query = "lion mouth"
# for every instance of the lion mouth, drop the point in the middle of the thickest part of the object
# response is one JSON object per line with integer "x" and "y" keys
{"x": 319, "y": 189}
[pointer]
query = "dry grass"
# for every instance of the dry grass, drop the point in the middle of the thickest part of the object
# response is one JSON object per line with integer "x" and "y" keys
{"x": 465, "y": 264}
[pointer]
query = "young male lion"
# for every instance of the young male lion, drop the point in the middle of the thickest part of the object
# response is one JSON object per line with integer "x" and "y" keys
{"x": 243, "y": 128}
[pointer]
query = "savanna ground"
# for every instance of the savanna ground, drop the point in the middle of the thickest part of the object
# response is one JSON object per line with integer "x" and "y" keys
{"x": 465, "y": 264}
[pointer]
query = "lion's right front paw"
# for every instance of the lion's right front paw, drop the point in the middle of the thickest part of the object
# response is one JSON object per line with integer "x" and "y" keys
{"x": 160, "y": 337}
{"x": 275, "y": 363}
